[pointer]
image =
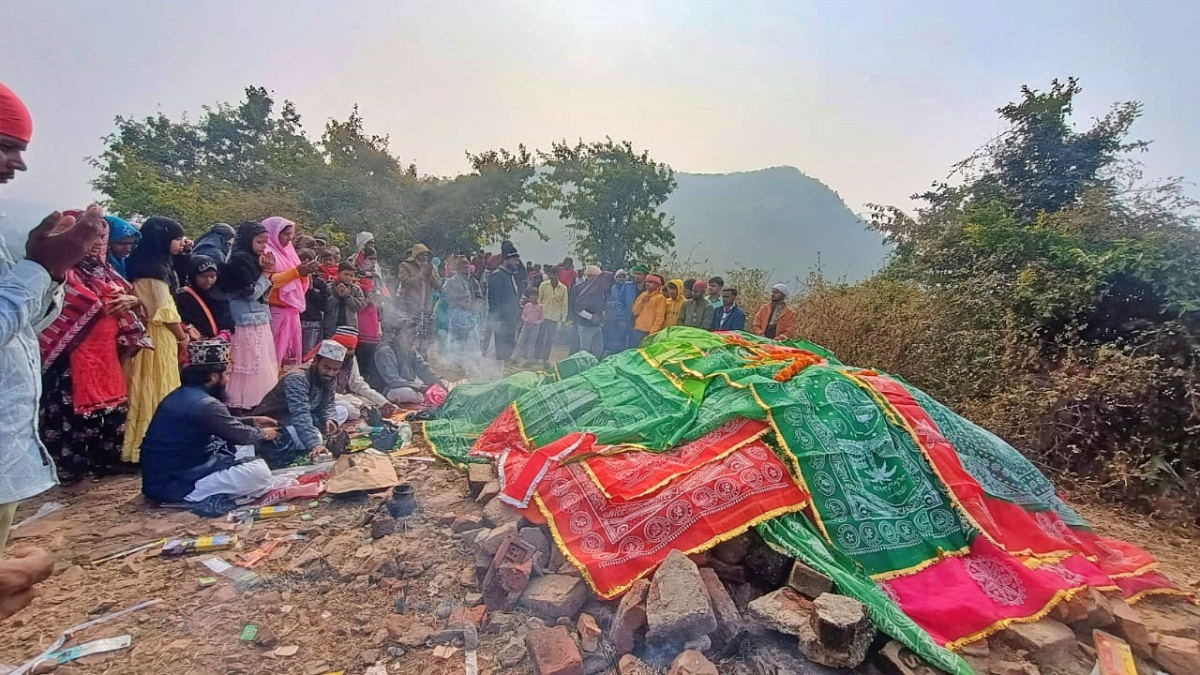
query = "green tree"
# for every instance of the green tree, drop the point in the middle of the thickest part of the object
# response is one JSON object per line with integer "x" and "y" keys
{"x": 609, "y": 195}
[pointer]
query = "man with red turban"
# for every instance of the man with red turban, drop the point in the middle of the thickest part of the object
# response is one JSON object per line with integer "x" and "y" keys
{"x": 31, "y": 293}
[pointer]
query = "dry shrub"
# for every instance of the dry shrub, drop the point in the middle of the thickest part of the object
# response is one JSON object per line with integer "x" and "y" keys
{"x": 1112, "y": 426}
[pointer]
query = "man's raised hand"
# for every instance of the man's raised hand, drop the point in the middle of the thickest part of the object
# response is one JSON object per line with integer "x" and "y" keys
{"x": 60, "y": 242}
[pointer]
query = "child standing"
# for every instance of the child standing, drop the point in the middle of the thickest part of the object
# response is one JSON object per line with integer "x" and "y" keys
{"x": 531, "y": 322}
{"x": 316, "y": 298}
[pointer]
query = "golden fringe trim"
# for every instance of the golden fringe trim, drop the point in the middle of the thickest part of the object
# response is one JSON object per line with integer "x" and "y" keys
{"x": 667, "y": 481}
{"x": 1055, "y": 600}
{"x": 1142, "y": 595}
{"x": 1149, "y": 567}
{"x": 922, "y": 566}
{"x": 612, "y": 593}
{"x": 461, "y": 466}
{"x": 794, "y": 462}
{"x": 663, "y": 371}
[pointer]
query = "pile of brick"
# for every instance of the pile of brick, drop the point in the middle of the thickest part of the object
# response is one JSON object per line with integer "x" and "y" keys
{"x": 739, "y": 608}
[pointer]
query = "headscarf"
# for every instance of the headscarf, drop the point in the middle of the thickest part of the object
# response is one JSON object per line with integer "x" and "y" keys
{"x": 291, "y": 293}
{"x": 90, "y": 284}
{"x": 591, "y": 271}
{"x": 120, "y": 229}
{"x": 238, "y": 275}
{"x": 152, "y": 258}
{"x": 362, "y": 239}
{"x": 216, "y": 243}
{"x": 416, "y": 250}
{"x": 218, "y": 308}
{"x": 15, "y": 120}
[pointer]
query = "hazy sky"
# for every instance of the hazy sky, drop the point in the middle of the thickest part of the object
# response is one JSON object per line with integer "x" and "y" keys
{"x": 875, "y": 98}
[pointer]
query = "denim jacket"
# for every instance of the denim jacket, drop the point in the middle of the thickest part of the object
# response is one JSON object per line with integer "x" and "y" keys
{"x": 252, "y": 309}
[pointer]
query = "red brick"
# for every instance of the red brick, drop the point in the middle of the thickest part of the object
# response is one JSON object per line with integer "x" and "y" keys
{"x": 630, "y": 617}
{"x": 553, "y": 652}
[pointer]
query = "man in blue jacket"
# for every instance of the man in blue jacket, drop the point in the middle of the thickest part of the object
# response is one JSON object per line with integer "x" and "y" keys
{"x": 729, "y": 316}
{"x": 191, "y": 450}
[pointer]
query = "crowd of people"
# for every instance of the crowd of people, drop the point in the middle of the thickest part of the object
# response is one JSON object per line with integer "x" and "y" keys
{"x": 205, "y": 365}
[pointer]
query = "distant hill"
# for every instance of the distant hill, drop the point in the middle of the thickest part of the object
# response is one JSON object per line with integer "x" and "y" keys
{"x": 777, "y": 219}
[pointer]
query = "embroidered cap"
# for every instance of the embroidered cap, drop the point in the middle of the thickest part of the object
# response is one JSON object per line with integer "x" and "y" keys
{"x": 331, "y": 350}
{"x": 212, "y": 352}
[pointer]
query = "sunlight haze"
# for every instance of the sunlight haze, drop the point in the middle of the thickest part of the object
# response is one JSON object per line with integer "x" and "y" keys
{"x": 876, "y": 99}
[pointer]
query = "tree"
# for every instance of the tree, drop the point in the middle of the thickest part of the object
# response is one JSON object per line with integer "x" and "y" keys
{"x": 609, "y": 196}
{"x": 253, "y": 159}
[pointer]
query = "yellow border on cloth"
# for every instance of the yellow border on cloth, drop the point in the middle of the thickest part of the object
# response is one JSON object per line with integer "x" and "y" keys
{"x": 1055, "y": 600}
{"x": 725, "y": 536}
{"x": 667, "y": 481}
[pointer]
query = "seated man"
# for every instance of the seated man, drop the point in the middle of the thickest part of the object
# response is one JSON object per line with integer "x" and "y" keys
{"x": 404, "y": 373}
{"x": 189, "y": 451}
{"x": 302, "y": 401}
{"x": 775, "y": 319}
{"x": 350, "y": 390}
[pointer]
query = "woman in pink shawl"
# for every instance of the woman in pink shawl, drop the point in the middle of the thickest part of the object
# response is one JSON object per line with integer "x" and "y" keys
{"x": 288, "y": 286}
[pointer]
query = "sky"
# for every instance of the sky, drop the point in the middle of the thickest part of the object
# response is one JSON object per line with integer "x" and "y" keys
{"x": 878, "y": 99}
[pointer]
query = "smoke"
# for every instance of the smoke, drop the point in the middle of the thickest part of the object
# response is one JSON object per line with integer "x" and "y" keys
{"x": 453, "y": 359}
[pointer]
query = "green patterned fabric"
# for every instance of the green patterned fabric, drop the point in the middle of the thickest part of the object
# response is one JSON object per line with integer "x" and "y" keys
{"x": 795, "y": 535}
{"x": 878, "y": 499}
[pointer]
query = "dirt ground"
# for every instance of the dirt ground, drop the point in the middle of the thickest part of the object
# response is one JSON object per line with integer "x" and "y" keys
{"x": 333, "y": 596}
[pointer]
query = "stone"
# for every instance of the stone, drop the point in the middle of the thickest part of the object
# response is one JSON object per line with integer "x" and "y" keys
{"x": 734, "y": 574}
{"x": 809, "y": 582}
{"x": 783, "y": 610}
{"x": 468, "y": 616}
{"x": 838, "y": 632}
{"x": 770, "y": 653}
{"x": 479, "y": 475}
{"x": 370, "y": 656}
{"x": 979, "y": 649}
{"x": 743, "y": 595}
{"x": 266, "y": 637}
{"x": 540, "y": 541}
{"x": 555, "y": 595}
{"x": 677, "y": 606}
{"x": 414, "y": 636}
{"x": 729, "y": 619}
{"x": 491, "y": 541}
{"x": 1171, "y": 624}
{"x": 692, "y": 662}
{"x": 508, "y": 575}
{"x": 589, "y": 632}
{"x": 553, "y": 652}
{"x": 896, "y": 659}
{"x": 467, "y": 521}
{"x": 1178, "y": 654}
{"x": 1047, "y": 641}
{"x": 768, "y": 568}
{"x": 1013, "y": 668}
{"x": 632, "y": 665}
{"x": 1088, "y": 609}
{"x": 497, "y": 513}
{"x": 382, "y": 526}
{"x": 734, "y": 551}
{"x": 488, "y": 493}
{"x": 630, "y": 618}
{"x": 1128, "y": 624}
{"x": 512, "y": 654}
{"x": 447, "y": 519}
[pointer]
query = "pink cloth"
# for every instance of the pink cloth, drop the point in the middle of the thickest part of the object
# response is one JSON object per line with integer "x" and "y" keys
{"x": 255, "y": 368}
{"x": 369, "y": 329}
{"x": 533, "y": 313}
{"x": 289, "y": 335}
{"x": 291, "y": 293}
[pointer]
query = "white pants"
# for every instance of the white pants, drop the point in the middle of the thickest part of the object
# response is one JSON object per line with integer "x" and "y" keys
{"x": 241, "y": 480}
{"x": 352, "y": 404}
{"x": 404, "y": 396}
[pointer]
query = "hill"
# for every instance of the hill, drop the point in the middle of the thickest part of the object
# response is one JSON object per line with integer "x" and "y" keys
{"x": 777, "y": 219}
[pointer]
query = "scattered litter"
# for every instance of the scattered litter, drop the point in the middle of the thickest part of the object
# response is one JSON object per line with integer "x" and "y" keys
{"x": 262, "y": 512}
{"x": 249, "y": 560}
{"x": 242, "y": 578}
{"x": 205, "y": 582}
{"x": 444, "y": 651}
{"x": 217, "y": 542}
{"x": 130, "y": 551}
{"x": 305, "y": 490}
{"x": 43, "y": 510}
{"x": 289, "y": 650}
{"x": 1113, "y": 656}
{"x": 70, "y": 632}
{"x": 249, "y": 632}
{"x": 306, "y": 517}
{"x": 102, "y": 646}
{"x": 314, "y": 504}
{"x": 326, "y": 615}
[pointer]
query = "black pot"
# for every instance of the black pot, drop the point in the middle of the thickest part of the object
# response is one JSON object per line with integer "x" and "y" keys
{"x": 403, "y": 501}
